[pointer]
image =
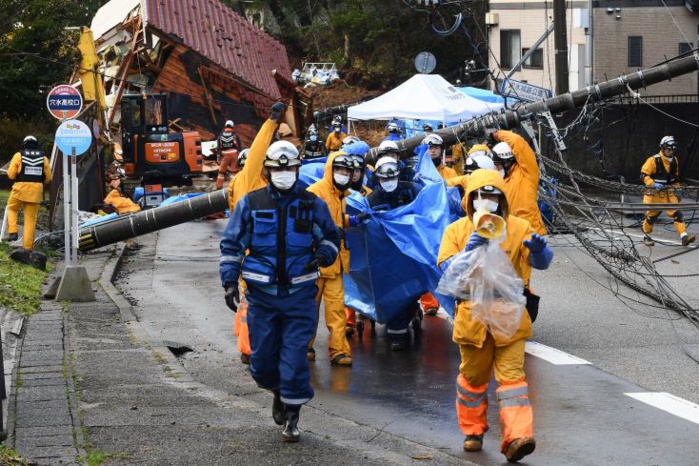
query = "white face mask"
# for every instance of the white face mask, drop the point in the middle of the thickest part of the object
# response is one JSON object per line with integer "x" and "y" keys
{"x": 283, "y": 180}
{"x": 314, "y": 138}
{"x": 502, "y": 172}
{"x": 485, "y": 204}
{"x": 389, "y": 185}
{"x": 341, "y": 180}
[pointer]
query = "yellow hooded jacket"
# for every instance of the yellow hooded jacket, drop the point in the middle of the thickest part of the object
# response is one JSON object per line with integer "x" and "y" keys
{"x": 522, "y": 184}
{"x": 27, "y": 191}
{"x": 251, "y": 178}
{"x": 466, "y": 330}
{"x": 336, "y": 201}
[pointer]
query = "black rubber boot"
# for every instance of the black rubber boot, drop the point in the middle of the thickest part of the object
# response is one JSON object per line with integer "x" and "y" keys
{"x": 290, "y": 432}
{"x": 277, "y": 408}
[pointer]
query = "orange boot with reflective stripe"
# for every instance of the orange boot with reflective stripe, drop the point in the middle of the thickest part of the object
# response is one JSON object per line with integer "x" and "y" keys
{"x": 516, "y": 421}
{"x": 472, "y": 409}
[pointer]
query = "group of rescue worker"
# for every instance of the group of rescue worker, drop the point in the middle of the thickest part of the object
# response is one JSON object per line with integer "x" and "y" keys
{"x": 283, "y": 249}
{"x": 283, "y": 252}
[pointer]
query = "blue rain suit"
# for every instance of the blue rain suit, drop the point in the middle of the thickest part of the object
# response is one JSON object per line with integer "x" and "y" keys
{"x": 281, "y": 232}
{"x": 405, "y": 193}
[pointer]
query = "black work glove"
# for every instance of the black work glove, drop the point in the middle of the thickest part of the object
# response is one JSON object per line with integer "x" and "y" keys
{"x": 325, "y": 256}
{"x": 277, "y": 112}
{"x": 232, "y": 297}
{"x": 490, "y": 138}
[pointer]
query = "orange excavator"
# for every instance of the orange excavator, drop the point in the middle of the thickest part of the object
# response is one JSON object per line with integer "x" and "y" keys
{"x": 148, "y": 145}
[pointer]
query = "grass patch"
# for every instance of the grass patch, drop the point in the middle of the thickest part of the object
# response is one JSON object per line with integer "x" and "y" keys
{"x": 96, "y": 457}
{"x": 20, "y": 284}
{"x": 9, "y": 457}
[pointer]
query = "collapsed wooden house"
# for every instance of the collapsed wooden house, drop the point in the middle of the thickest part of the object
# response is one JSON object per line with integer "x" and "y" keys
{"x": 211, "y": 61}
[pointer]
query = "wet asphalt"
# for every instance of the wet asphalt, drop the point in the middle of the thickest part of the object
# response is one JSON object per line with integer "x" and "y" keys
{"x": 582, "y": 413}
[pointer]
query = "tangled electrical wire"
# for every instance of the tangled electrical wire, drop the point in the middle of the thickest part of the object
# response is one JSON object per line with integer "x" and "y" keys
{"x": 585, "y": 214}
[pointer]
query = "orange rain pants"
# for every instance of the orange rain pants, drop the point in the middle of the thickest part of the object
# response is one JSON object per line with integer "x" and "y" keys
{"x": 477, "y": 365}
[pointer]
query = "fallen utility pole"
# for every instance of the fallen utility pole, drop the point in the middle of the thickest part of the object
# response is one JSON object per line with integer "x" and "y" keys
{"x": 119, "y": 229}
{"x": 506, "y": 119}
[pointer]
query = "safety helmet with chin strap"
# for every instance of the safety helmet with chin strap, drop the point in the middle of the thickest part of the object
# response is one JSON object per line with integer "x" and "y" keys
{"x": 478, "y": 159}
{"x": 434, "y": 140}
{"x": 242, "y": 158}
{"x": 282, "y": 154}
{"x": 30, "y": 141}
{"x": 668, "y": 142}
{"x": 387, "y": 167}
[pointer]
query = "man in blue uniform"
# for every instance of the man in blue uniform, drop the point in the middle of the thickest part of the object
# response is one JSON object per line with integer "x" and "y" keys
{"x": 288, "y": 233}
{"x": 390, "y": 194}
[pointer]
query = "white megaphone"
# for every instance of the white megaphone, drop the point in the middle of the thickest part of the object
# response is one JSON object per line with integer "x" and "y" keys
{"x": 488, "y": 225}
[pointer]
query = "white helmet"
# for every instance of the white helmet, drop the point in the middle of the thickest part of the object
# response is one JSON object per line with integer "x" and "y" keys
{"x": 229, "y": 123}
{"x": 668, "y": 142}
{"x": 387, "y": 167}
{"x": 502, "y": 152}
{"x": 434, "y": 140}
{"x": 29, "y": 141}
{"x": 242, "y": 157}
{"x": 282, "y": 154}
{"x": 393, "y": 128}
{"x": 477, "y": 160}
{"x": 349, "y": 140}
{"x": 387, "y": 147}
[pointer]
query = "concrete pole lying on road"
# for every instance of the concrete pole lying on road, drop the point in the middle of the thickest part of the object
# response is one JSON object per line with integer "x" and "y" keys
{"x": 148, "y": 221}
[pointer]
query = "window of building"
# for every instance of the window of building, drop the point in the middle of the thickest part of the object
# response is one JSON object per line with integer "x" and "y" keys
{"x": 685, "y": 47}
{"x": 510, "y": 47}
{"x": 535, "y": 60}
{"x": 636, "y": 51}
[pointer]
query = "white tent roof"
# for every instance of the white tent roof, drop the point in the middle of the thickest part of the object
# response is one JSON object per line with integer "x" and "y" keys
{"x": 424, "y": 97}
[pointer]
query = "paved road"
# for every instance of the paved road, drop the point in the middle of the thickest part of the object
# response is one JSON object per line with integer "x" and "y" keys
{"x": 585, "y": 413}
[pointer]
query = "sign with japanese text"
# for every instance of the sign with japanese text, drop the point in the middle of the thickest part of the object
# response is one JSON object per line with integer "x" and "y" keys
{"x": 524, "y": 91}
{"x": 64, "y": 102}
{"x": 73, "y": 137}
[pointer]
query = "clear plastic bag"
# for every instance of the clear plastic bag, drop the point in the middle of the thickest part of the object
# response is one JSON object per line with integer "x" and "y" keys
{"x": 485, "y": 277}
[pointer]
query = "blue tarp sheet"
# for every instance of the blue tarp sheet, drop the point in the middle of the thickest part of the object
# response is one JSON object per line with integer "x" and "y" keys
{"x": 393, "y": 256}
{"x": 482, "y": 94}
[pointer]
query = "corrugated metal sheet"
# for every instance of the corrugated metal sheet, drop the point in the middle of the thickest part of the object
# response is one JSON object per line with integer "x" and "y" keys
{"x": 224, "y": 37}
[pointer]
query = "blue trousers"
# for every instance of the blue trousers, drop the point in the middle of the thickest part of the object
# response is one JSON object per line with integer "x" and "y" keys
{"x": 397, "y": 326}
{"x": 280, "y": 329}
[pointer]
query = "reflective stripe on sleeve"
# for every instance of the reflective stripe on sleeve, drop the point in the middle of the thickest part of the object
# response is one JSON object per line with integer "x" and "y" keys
{"x": 231, "y": 259}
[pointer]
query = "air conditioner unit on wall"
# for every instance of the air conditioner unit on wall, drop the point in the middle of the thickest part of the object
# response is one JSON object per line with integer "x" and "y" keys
{"x": 492, "y": 19}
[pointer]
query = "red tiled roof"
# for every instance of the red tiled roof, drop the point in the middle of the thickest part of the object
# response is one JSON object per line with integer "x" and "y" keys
{"x": 224, "y": 37}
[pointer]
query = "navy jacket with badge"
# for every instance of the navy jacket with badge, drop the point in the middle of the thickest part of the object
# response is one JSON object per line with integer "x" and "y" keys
{"x": 281, "y": 233}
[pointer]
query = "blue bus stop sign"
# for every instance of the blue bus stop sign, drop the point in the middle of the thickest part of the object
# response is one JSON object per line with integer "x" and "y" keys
{"x": 73, "y": 137}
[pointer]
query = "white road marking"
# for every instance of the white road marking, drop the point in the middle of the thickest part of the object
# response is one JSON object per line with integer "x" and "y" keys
{"x": 552, "y": 355}
{"x": 669, "y": 403}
